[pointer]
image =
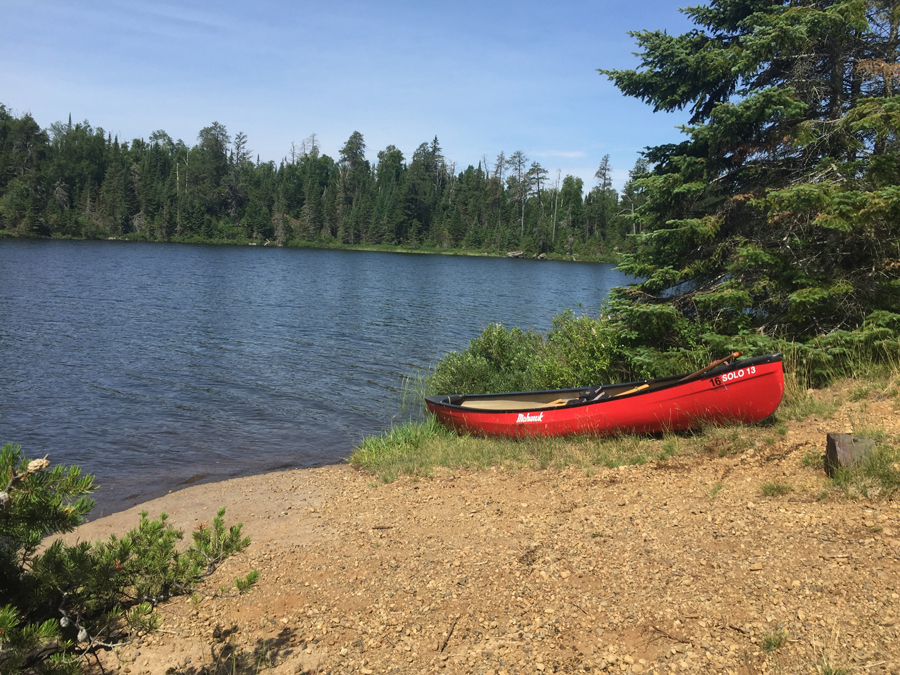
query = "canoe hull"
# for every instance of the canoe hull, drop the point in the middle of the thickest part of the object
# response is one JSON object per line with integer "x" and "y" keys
{"x": 746, "y": 391}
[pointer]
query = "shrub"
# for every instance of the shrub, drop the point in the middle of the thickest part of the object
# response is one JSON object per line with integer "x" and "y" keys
{"x": 577, "y": 352}
{"x": 497, "y": 360}
{"x": 60, "y": 605}
{"x": 584, "y": 351}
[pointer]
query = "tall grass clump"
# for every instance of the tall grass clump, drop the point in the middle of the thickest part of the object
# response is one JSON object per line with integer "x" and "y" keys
{"x": 878, "y": 476}
{"x": 401, "y": 449}
{"x": 417, "y": 449}
{"x": 800, "y": 402}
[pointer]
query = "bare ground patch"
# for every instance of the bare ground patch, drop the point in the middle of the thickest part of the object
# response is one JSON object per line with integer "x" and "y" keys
{"x": 682, "y": 565}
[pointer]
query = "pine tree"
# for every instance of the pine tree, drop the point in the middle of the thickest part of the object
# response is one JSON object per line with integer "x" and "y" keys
{"x": 779, "y": 212}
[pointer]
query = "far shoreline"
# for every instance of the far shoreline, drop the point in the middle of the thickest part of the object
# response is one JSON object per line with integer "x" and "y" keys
{"x": 613, "y": 258}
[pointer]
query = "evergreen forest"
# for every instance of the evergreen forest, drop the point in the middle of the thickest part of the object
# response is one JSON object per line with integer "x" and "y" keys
{"x": 76, "y": 181}
{"x": 776, "y": 213}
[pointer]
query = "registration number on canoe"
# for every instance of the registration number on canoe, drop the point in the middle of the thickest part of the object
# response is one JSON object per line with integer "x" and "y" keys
{"x": 719, "y": 380}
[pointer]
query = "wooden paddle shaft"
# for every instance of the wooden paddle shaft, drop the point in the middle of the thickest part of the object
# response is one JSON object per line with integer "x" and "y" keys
{"x": 712, "y": 365}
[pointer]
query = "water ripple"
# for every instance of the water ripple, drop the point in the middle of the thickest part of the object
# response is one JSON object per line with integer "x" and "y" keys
{"x": 155, "y": 365}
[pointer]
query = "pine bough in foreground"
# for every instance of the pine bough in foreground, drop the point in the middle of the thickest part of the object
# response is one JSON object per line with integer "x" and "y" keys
{"x": 61, "y": 605}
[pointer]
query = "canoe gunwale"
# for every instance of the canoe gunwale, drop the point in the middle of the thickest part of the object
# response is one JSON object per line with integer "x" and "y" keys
{"x": 452, "y": 401}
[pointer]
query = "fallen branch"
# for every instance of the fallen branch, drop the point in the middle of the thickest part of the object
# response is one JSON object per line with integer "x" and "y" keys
{"x": 449, "y": 633}
{"x": 675, "y": 638}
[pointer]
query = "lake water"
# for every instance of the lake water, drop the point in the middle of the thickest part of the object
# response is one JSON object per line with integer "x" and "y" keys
{"x": 155, "y": 366}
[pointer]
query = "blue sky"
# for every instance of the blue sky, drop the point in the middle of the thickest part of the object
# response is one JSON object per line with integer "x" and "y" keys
{"x": 483, "y": 77}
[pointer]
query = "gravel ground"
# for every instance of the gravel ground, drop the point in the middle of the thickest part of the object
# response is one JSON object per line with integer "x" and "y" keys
{"x": 675, "y": 566}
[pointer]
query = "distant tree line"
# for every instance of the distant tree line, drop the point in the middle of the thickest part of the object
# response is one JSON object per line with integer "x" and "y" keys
{"x": 74, "y": 180}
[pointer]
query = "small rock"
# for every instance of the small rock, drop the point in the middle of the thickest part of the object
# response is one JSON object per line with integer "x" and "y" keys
{"x": 756, "y": 567}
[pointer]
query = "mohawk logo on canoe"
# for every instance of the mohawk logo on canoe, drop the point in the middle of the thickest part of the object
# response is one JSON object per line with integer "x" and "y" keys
{"x": 529, "y": 417}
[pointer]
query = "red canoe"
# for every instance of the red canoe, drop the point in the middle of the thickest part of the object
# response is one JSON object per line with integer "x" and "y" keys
{"x": 744, "y": 391}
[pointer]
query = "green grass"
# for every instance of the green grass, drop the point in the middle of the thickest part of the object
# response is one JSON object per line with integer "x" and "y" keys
{"x": 827, "y": 668}
{"x": 776, "y": 489}
{"x": 877, "y": 477}
{"x": 774, "y": 641}
{"x": 862, "y": 392}
{"x": 724, "y": 440}
{"x": 417, "y": 449}
{"x": 813, "y": 459}
{"x": 800, "y": 403}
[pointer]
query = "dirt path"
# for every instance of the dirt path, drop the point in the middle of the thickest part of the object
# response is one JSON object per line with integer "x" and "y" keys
{"x": 674, "y": 566}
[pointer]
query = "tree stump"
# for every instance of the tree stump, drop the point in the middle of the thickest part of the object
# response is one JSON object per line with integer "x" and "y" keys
{"x": 845, "y": 451}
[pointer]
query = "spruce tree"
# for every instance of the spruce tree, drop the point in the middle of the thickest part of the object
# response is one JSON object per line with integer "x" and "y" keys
{"x": 780, "y": 211}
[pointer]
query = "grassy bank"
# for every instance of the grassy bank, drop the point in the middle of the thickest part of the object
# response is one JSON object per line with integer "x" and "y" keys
{"x": 820, "y": 376}
{"x": 422, "y": 448}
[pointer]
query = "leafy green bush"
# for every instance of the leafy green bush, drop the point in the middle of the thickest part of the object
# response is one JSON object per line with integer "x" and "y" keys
{"x": 578, "y": 351}
{"x": 61, "y": 604}
{"x": 497, "y": 360}
{"x": 582, "y": 351}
